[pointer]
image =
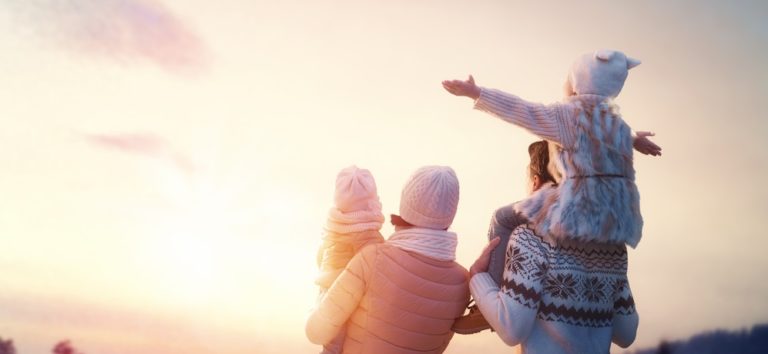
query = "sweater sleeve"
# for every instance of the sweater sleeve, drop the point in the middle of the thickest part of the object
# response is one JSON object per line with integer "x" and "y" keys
{"x": 549, "y": 122}
{"x": 511, "y": 310}
{"x": 625, "y": 317}
{"x": 341, "y": 300}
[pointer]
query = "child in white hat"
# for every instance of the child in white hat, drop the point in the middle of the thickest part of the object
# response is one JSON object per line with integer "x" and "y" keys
{"x": 577, "y": 305}
{"x": 590, "y": 146}
{"x": 353, "y": 222}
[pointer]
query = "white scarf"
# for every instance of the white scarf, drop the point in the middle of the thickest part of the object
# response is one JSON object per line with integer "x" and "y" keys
{"x": 435, "y": 244}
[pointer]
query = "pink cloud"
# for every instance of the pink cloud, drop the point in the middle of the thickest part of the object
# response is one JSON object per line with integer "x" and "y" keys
{"x": 143, "y": 144}
{"x": 123, "y": 30}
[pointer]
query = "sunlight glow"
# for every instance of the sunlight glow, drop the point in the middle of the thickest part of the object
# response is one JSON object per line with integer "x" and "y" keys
{"x": 216, "y": 243}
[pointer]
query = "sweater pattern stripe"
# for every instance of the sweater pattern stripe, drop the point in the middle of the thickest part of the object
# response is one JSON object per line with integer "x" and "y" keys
{"x": 572, "y": 282}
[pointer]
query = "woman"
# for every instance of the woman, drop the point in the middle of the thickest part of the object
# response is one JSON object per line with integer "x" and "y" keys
{"x": 557, "y": 295}
{"x": 503, "y": 221}
{"x": 401, "y": 296}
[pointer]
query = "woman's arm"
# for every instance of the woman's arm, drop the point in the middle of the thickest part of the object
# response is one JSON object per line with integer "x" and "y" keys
{"x": 625, "y": 318}
{"x": 511, "y": 309}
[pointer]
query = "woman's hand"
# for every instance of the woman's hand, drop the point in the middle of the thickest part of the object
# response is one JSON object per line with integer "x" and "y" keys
{"x": 642, "y": 144}
{"x": 463, "y": 88}
{"x": 481, "y": 264}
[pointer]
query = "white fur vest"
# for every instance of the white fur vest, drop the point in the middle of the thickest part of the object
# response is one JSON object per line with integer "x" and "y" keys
{"x": 596, "y": 198}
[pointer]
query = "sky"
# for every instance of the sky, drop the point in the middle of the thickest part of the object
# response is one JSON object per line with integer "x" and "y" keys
{"x": 166, "y": 167}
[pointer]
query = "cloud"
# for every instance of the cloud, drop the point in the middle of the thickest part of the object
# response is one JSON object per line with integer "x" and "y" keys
{"x": 123, "y": 30}
{"x": 145, "y": 145}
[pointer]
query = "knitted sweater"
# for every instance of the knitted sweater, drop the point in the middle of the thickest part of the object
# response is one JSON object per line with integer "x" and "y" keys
{"x": 591, "y": 159}
{"x": 559, "y": 296}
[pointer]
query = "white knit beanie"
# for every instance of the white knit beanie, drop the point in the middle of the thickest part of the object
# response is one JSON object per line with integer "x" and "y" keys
{"x": 599, "y": 73}
{"x": 430, "y": 197}
{"x": 356, "y": 190}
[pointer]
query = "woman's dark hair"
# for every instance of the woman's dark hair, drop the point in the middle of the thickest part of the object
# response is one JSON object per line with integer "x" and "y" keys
{"x": 539, "y": 153}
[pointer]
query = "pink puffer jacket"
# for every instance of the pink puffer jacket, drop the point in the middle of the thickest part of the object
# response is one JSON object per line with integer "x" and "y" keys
{"x": 392, "y": 301}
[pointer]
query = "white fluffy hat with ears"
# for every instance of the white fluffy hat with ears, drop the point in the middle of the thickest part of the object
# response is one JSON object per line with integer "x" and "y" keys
{"x": 600, "y": 73}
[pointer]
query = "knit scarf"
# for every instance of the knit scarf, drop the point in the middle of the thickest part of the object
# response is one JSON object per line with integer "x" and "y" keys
{"x": 345, "y": 234}
{"x": 435, "y": 244}
{"x": 356, "y": 221}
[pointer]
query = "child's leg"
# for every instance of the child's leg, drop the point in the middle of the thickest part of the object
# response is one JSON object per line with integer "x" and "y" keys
{"x": 504, "y": 220}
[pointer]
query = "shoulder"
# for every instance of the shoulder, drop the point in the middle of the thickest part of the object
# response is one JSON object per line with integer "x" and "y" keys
{"x": 525, "y": 240}
{"x": 392, "y": 257}
{"x": 371, "y": 251}
{"x": 526, "y": 234}
{"x": 365, "y": 260}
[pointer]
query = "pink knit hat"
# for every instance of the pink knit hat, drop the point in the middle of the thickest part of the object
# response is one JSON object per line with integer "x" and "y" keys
{"x": 430, "y": 198}
{"x": 356, "y": 190}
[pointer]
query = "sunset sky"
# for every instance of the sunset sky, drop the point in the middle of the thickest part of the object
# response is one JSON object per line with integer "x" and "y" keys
{"x": 166, "y": 166}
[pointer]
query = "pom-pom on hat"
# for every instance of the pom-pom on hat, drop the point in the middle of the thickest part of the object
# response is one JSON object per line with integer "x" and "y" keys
{"x": 356, "y": 190}
{"x": 430, "y": 198}
{"x": 600, "y": 73}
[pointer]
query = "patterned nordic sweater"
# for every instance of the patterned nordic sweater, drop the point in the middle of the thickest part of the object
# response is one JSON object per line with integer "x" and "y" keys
{"x": 561, "y": 296}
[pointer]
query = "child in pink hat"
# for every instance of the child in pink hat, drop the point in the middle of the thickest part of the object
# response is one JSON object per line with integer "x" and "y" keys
{"x": 353, "y": 222}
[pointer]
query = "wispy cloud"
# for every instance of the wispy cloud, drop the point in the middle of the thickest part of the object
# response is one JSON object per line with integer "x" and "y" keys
{"x": 143, "y": 144}
{"x": 123, "y": 30}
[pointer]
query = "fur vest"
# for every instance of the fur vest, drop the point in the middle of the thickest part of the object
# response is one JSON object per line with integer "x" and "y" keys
{"x": 596, "y": 198}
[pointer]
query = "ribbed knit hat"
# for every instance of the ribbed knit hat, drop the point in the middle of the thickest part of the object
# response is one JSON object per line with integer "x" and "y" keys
{"x": 356, "y": 190}
{"x": 430, "y": 197}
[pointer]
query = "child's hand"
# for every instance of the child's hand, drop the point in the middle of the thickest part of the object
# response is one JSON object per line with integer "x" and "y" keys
{"x": 463, "y": 88}
{"x": 481, "y": 264}
{"x": 642, "y": 144}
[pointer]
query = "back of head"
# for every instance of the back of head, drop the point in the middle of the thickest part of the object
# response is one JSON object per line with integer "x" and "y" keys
{"x": 430, "y": 198}
{"x": 539, "y": 165}
{"x": 600, "y": 73}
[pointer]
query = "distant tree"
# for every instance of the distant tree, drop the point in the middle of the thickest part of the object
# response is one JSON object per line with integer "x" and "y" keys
{"x": 754, "y": 341}
{"x": 64, "y": 347}
{"x": 6, "y": 347}
{"x": 664, "y": 348}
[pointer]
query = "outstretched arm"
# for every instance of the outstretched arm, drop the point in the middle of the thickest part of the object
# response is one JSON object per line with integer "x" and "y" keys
{"x": 463, "y": 88}
{"x": 645, "y": 146}
{"x": 545, "y": 121}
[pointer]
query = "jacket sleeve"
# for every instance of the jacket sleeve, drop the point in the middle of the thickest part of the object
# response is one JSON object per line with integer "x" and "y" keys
{"x": 341, "y": 299}
{"x": 511, "y": 309}
{"x": 546, "y": 121}
{"x": 625, "y": 317}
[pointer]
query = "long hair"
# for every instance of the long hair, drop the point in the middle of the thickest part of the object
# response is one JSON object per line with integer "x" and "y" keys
{"x": 539, "y": 165}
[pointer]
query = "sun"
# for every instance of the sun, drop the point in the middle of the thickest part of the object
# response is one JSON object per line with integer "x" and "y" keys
{"x": 183, "y": 256}
{"x": 228, "y": 248}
